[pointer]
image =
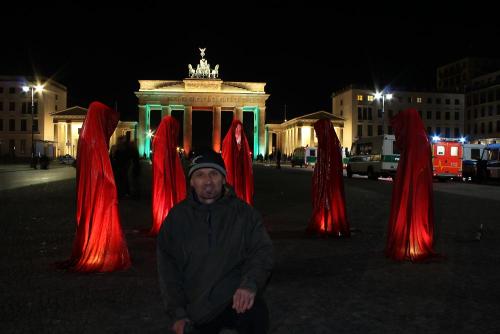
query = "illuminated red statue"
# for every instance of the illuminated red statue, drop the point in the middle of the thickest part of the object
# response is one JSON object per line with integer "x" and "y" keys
{"x": 169, "y": 182}
{"x": 411, "y": 224}
{"x": 238, "y": 160}
{"x": 99, "y": 244}
{"x": 329, "y": 215}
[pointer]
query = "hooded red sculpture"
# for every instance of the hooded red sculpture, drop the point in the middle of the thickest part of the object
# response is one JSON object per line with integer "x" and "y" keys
{"x": 169, "y": 182}
{"x": 238, "y": 160}
{"x": 99, "y": 244}
{"x": 411, "y": 223}
{"x": 329, "y": 214}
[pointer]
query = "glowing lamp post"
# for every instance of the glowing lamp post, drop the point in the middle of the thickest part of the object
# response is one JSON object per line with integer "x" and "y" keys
{"x": 383, "y": 96}
{"x": 37, "y": 89}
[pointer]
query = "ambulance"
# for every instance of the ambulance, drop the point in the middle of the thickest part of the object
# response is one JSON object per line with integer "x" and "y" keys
{"x": 447, "y": 158}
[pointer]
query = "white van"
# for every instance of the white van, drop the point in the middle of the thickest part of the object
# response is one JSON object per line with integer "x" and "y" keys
{"x": 471, "y": 154}
{"x": 374, "y": 156}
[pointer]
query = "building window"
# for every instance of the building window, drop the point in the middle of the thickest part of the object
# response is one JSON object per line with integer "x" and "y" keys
{"x": 482, "y": 112}
{"x": 419, "y": 100}
{"x": 1, "y": 124}
{"x": 56, "y": 107}
{"x": 457, "y": 101}
{"x": 457, "y": 116}
{"x": 447, "y": 101}
{"x": 490, "y": 110}
{"x": 57, "y": 97}
{"x": 370, "y": 130}
{"x": 1, "y": 90}
{"x": 360, "y": 113}
{"x": 12, "y": 106}
{"x": 429, "y": 100}
{"x": 447, "y": 132}
{"x": 23, "y": 125}
{"x": 438, "y": 114}
{"x": 370, "y": 115}
{"x": 438, "y": 130}
{"x": 12, "y": 90}
{"x": 475, "y": 113}
{"x": 379, "y": 112}
{"x": 498, "y": 109}
{"x": 36, "y": 108}
{"x": 475, "y": 128}
{"x": 447, "y": 115}
{"x": 22, "y": 147}
{"x": 429, "y": 114}
{"x": 389, "y": 130}
{"x": 420, "y": 114}
{"x": 457, "y": 133}
{"x": 468, "y": 114}
{"x": 438, "y": 100}
{"x": 364, "y": 113}
{"x": 12, "y": 125}
{"x": 379, "y": 128}
{"x": 35, "y": 125}
{"x": 1, "y": 105}
{"x": 490, "y": 127}
{"x": 370, "y": 98}
{"x": 429, "y": 130}
{"x": 498, "y": 126}
{"x": 482, "y": 128}
{"x": 360, "y": 97}
{"x": 360, "y": 130}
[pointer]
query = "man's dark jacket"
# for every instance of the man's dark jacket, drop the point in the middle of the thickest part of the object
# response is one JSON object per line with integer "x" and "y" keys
{"x": 207, "y": 251}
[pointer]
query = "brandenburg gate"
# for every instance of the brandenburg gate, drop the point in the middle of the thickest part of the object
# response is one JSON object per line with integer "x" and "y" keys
{"x": 202, "y": 90}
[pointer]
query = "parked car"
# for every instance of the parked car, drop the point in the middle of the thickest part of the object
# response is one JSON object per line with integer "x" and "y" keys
{"x": 488, "y": 168}
{"x": 66, "y": 159}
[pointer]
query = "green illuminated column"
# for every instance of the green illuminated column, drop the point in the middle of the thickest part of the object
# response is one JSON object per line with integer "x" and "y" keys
{"x": 261, "y": 127}
{"x": 147, "y": 133}
{"x": 141, "y": 131}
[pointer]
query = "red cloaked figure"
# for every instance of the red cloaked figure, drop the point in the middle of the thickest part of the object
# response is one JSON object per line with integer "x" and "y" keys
{"x": 99, "y": 244}
{"x": 169, "y": 182}
{"x": 329, "y": 214}
{"x": 411, "y": 224}
{"x": 238, "y": 160}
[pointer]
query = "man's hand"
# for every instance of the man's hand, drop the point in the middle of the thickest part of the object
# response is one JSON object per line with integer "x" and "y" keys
{"x": 178, "y": 326}
{"x": 243, "y": 300}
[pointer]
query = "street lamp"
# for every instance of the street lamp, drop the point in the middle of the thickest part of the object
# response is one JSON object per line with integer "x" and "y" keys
{"x": 37, "y": 89}
{"x": 383, "y": 96}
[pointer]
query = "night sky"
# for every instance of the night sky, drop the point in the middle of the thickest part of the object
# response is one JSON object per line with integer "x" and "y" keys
{"x": 303, "y": 53}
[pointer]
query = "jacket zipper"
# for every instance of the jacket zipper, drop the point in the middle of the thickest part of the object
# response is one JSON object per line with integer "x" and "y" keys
{"x": 209, "y": 222}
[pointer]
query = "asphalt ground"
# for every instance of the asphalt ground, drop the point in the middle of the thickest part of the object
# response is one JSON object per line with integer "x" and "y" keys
{"x": 319, "y": 285}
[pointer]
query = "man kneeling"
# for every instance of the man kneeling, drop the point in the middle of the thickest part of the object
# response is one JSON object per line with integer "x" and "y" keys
{"x": 214, "y": 256}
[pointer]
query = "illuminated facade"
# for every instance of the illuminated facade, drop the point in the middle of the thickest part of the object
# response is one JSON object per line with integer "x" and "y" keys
{"x": 68, "y": 124}
{"x": 202, "y": 91}
{"x": 299, "y": 132}
{"x": 442, "y": 113}
{"x": 16, "y": 120}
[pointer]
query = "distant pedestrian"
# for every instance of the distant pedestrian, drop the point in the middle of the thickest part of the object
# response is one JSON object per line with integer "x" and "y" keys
{"x": 278, "y": 159}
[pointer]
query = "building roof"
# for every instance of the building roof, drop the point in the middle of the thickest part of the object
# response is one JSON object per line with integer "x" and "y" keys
{"x": 72, "y": 111}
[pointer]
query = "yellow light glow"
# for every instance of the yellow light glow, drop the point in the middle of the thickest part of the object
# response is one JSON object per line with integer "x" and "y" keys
{"x": 306, "y": 136}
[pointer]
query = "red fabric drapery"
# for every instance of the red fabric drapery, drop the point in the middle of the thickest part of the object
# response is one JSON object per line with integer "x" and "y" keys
{"x": 99, "y": 244}
{"x": 169, "y": 182}
{"x": 238, "y": 160}
{"x": 329, "y": 214}
{"x": 411, "y": 224}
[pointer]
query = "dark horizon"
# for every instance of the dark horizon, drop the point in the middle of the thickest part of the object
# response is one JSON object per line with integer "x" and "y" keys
{"x": 303, "y": 54}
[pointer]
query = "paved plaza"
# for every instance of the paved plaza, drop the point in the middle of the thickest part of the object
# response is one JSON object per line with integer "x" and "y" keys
{"x": 319, "y": 285}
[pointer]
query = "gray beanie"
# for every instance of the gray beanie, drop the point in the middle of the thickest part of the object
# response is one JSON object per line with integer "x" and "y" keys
{"x": 207, "y": 159}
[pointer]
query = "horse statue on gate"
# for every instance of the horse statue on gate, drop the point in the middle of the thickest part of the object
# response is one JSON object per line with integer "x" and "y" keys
{"x": 215, "y": 72}
{"x": 192, "y": 72}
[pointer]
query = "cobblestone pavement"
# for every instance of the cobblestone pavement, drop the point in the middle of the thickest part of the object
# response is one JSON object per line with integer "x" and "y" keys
{"x": 319, "y": 285}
